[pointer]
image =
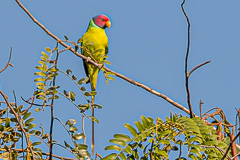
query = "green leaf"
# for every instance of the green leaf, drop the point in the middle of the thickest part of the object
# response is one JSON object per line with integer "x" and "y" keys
{"x": 48, "y": 49}
{"x": 39, "y": 79}
{"x": 113, "y": 147}
{"x": 131, "y": 129}
{"x": 122, "y": 137}
{"x": 164, "y": 141}
{"x": 196, "y": 152}
{"x": 45, "y": 55}
{"x": 97, "y": 106}
{"x": 7, "y": 122}
{"x": 72, "y": 96}
{"x": 38, "y": 109}
{"x": 36, "y": 143}
{"x": 73, "y": 129}
{"x": 68, "y": 71}
{"x": 139, "y": 125}
{"x": 74, "y": 77}
{"x": 128, "y": 150}
{"x": 87, "y": 94}
{"x": 118, "y": 141}
{"x": 110, "y": 157}
{"x": 71, "y": 122}
{"x": 83, "y": 89}
{"x": 195, "y": 139}
{"x": 29, "y": 121}
{"x": 31, "y": 126}
{"x": 83, "y": 80}
{"x": 122, "y": 155}
{"x": 110, "y": 78}
{"x": 107, "y": 62}
{"x": 82, "y": 146}
{"x": 93, "y": 119}
{"x": 26, "y": 115}
{"x": 78, "y": 136}
{"x": 164, "y": 133}
{"x": 43, "y": 74}
{"x": 210, "y": 143}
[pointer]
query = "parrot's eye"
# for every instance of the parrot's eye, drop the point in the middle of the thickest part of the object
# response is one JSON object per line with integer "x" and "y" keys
{"x": 103, "y": 19}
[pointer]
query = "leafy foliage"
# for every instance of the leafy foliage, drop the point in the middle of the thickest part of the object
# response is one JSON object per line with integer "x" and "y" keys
{"x": 47, "y": 71}
{"x": 151, "y": 140}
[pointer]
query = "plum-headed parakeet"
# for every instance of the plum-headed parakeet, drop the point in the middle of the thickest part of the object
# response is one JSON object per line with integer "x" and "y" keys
{"x": 95, "y": 46}
{"x": 96, "y": 43}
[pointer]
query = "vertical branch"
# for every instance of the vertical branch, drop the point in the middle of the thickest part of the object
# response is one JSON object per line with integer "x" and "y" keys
{"x": 52, "y": 111}
{"x": 186, "y": 61}
{"x": 233, "y": 145}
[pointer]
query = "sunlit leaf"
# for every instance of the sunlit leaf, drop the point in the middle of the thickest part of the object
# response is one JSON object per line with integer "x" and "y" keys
{"x": 131, "y": 129}
{"x": 113, "y": 147}
{"x": 122, "y": 137}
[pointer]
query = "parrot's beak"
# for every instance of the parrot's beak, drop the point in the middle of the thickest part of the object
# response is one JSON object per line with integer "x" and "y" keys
{"x": 108, "y": 24}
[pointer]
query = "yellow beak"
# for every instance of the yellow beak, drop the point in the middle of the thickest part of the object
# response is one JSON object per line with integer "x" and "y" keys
{"x": 108, "y": 24}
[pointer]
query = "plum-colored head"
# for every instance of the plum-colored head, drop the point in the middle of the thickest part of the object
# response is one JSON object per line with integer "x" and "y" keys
{"x": 102, "y": 21}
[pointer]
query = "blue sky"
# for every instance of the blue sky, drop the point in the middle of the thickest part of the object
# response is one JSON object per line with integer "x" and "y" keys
{"x": 147, "y": 42}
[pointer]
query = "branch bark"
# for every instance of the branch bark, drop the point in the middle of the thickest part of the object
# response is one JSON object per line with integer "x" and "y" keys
{"x": 186, "y": 61}
{"x": 8, "y": 63}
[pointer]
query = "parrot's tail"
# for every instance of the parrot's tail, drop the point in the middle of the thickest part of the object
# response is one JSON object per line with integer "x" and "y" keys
{"x": 93, "y": 141}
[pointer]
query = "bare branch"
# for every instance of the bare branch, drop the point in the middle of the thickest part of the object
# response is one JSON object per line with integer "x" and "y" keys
{"x": 198, "y": 66}
{"x": 186, "y": 60}
{"x": 8, "y": 63}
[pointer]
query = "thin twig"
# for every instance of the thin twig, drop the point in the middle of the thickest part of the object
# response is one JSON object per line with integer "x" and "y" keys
{"x": 8, "y": 63}
{"x": 98, "y": 155}
{"x": 198, "y": 66}
{"x": 107, "y": 69}
{"x": 19, "y": 122}
{"x": 186, "y": 60}
{"x": 35, "y": 104}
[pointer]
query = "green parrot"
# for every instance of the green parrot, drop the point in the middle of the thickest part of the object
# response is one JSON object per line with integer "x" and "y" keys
{"x": 95, "y": 46}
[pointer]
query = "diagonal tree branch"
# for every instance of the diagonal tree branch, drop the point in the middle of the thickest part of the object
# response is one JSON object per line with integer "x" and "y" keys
{"x": 169, "y": 100}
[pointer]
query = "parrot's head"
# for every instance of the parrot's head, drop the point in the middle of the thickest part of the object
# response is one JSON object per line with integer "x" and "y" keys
{"x": 102, "y": 21}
